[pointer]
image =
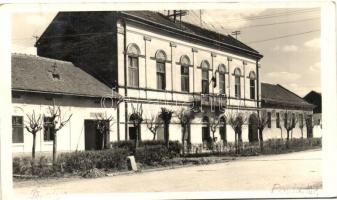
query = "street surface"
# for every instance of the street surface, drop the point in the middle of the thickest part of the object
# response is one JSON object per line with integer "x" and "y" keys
{"x": 272, "y": 172}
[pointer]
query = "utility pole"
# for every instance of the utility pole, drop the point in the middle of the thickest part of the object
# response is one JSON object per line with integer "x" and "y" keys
{"x": 236, "y": 33}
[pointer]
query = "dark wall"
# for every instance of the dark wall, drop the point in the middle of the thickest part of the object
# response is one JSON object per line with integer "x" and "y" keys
{"x": 316, "y": 99}
{"x": 88, "y": 39}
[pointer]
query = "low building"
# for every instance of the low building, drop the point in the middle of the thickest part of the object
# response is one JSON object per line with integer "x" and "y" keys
{"x": 280, "y": 103}
{"x": 315, "y": 98}
{"x": 38, "y": 83}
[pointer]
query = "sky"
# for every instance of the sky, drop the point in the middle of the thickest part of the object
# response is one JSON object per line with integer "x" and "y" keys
{"x": 289, "y": 39}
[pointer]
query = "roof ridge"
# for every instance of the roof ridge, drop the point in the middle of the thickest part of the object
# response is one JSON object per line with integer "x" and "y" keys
{"x": 291, "y": 92}
{"x": 41, "y": 58}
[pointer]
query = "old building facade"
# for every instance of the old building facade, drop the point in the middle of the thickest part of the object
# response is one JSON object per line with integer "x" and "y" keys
{"x": 154, "y": 63}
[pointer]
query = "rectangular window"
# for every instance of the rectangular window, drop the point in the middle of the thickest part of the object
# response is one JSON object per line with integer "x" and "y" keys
{"x": 48, "y": 129}
{"x": 161, "y": 76}
{"x": 17, "y": 129}
{"x": 204, "y": 82}
{"x": 185, "y": 85}
{"x": 293, "y": 120}
{"x": 301, "y": 119}
{"x": 252, "y": 89}
{"x": 133, "y": 71}
{"x": 222, "y": 83}
{"x": 277, "y": 120}
{"x": 269, "y": 119}
{"x": 237, "y": 87}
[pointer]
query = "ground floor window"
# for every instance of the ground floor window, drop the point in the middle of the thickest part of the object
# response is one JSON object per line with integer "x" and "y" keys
{"x": 48, "y": 129}
{"x": 17, "y": 129}
{"x": 206, "y": 137}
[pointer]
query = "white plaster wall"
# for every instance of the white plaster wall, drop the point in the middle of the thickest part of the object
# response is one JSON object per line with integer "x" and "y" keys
{"x": 71, "y": 136}
{"x": 157, "y": 42}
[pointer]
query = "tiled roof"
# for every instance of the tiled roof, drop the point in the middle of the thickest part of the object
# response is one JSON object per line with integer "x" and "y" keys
{"x": 190, "y": 28}
{"x": 93, "y": 22}
{"x": 279, "y": 96}
{"x": 35, "y": 74}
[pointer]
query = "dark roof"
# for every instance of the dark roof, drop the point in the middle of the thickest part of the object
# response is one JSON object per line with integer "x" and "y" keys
{"x": 35, "y": 74}
{"x": 94, "y": 22}
{"x": 190, "y": 28}
{"x": 278, "y": 96}
{"x": 315, "y": 98}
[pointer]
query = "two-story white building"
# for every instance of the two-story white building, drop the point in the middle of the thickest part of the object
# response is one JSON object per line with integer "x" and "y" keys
{"x": 154, "y": 61}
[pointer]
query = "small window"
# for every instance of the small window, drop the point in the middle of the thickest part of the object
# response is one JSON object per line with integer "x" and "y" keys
{"x": 269, "y": 119}
{"x": 237, "y": 74}
{"x": 252, "y": 84}
{"x": 277, "y": 120}
{"x": 133, "y": 65}
{"x": 185, "y": 63}
{"x": 222, "y": 79}
{"x": 160, "y": 63}
{"x": 293, "y": 120}
{"x": 205, "y": 77}
{"x": 17, "y": 129}
{"x": 48, "y": 129}
{"x": 301, "y": 120}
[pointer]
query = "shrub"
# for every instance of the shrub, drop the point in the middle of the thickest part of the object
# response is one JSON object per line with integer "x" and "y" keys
{"x": 110, "y": 159}
{"x": 128, "y": 144}
{"x": 152, "y": 155}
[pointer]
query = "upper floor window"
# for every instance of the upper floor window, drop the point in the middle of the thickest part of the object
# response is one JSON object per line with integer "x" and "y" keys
{"x": 204, "y": 77}
{"x": 237, "y": 74}
{"x": 17, "y": 129}
{"x": 161, "y": 75}
{"x": 252, "y": 79}
{"x": 222, "y": 79}
{"x": 133, "y": 65}
{"x": 185, "y": 64}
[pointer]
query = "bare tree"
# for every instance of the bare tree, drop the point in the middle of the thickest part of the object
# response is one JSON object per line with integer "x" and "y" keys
{"x": 153, "y": 125}
{"x": 214, "y": 122}
{"x": 166, "y": 115}
{"x": 103, "y": 127}
{"x": 301, "y": 122}
{"x": 56, "y": 122}
{"x": 262, "y": 122}
{"x": 33, "y": 126}
{"x": 290, "y": 121}
{"x": 236, "y": 120}
{"x": 136, "y": 118}
{"x": 185, "y": 117}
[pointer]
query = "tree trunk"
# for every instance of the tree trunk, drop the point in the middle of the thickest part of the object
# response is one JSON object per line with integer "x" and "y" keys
{"x": 154, "y": 136}
{"x": 183, "y": 138}
{"x": 103, "y": 140}
{"x": 288, "y": 134}
{"x": 166, "y": 134}
{"x": 54, "y": 147}
{"x": 261, "y": 139}
{"x": 302, "y": 133}
{"x": 137, "y": 136}
{"x": 33, "y": 148}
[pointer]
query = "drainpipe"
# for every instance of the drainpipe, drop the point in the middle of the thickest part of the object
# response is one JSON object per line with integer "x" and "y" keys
{"x": 125, "y": 84}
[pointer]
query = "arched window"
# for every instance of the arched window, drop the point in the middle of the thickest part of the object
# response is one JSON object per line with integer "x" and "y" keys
{"x": 206, "y": 137}
{"x": 223, "y": 130}
{"x": 222, "y": 79}
{"x": 204, "y": 77}
{"x": 133, "y": 65}
{"x": 161, "y": 75}
{"x": 252, "y": 79}
{"x": 237, "y": 74}
{"x": 185, "y": 63}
